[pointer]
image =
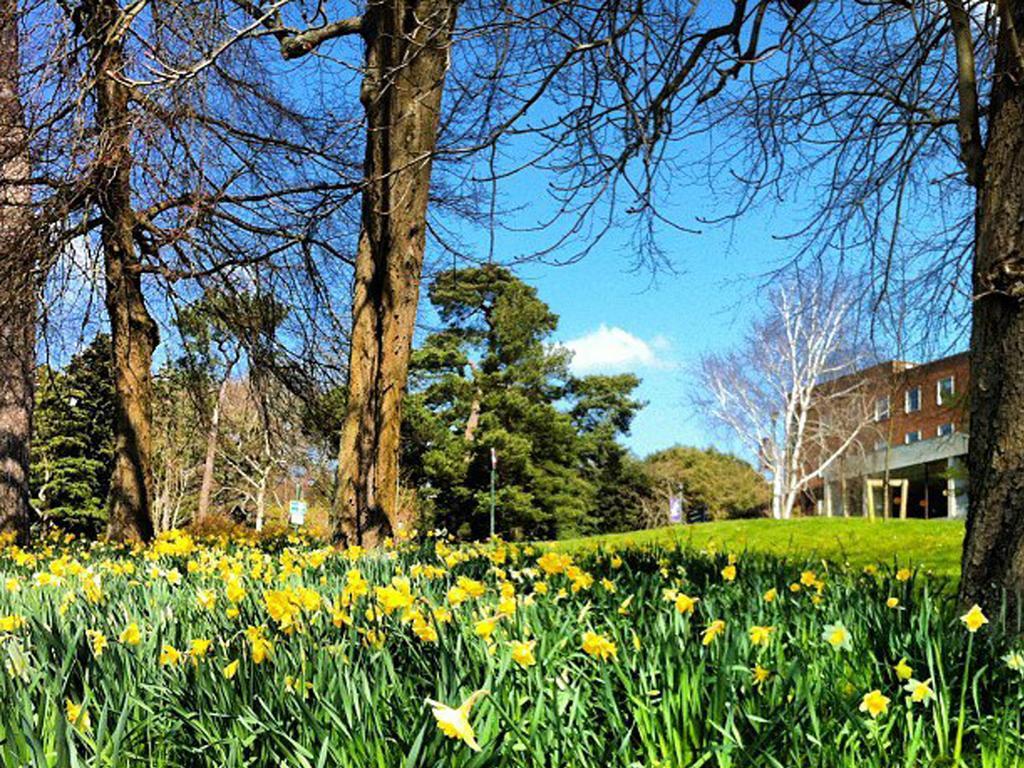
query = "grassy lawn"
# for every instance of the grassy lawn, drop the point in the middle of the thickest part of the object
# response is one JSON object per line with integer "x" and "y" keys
{"x": 933, "y": 545}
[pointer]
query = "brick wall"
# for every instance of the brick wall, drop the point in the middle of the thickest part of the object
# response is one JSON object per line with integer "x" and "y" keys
{"x": 931, "y": 414}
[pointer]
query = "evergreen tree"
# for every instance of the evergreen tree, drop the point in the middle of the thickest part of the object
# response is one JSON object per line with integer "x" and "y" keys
{"x": 73, "y": 450}
{"x": 491, "y": 378}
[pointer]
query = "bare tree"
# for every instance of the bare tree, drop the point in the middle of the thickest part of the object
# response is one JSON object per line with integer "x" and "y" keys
{"x": 175, "y": 185}
{"x": 783, "y": 394}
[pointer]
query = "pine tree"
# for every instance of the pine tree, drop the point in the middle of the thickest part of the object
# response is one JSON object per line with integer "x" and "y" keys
{"x": 73, "y": 450}
{"x": 491, "y": 378}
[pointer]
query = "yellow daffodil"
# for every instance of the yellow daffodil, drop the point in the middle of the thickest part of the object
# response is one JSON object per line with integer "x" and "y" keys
{"x": 260, "y": 646}
{"x": 714, "y": 629}
{"x": 230, "y": 670}
{"x": 485, "y": 628}
{"x": 130, "y": 635}
{"x": 97, "y": 640}
{"x": 424, "y": 630}
{"x": 553, "y": 563}
{"x": 904, "y": 574}
{"x": 920, "y": 691}
{"x": 760, "y": 674}
{"x": 770, "y": 595}
{"x": 77, "y": 715}
{"x": 454, "y": 721}
{"x": 599, "y": 646}
{"x": 761, "y": 635}
{"x": 685, "y": 604}
{"x": 471, "y": 587}
{"x": 623, "y": 609}
{"x": 11, "y": 623}
{"x": 395, "y": 597}
{"x": 892, "y": 602}
{"x": 169, "y": 656}
{"x": 974, "y": 619}
{"x": 522, "y": 652}
{"x": 234, "y": 591}
{"x": 838, "y": 636}
{"x": 198, "y": 648}
{"x": 729, "y": 573}
{"x": 874, "y": 703}
{"x": 903, "y": 670}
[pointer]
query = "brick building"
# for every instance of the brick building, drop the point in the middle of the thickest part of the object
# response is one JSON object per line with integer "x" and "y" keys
{"x": 916, "y": 440}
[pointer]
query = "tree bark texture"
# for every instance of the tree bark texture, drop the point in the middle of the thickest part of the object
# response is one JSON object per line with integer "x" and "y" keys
{"x": 993, "y": 554}
{"x": 18, "y": 263}
{"x": 133, "y": 332}
{"x": 407, "y": 44}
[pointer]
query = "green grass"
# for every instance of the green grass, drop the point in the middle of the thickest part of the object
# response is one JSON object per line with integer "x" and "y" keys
{"x": 932, "y": 545}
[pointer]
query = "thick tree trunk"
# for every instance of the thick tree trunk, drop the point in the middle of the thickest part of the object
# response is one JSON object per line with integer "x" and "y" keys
{"x": 17, "y": 288}
{"x": 993, "y": 556}
{"x": 406, "y": 59}
{"x": 133, "y": 332}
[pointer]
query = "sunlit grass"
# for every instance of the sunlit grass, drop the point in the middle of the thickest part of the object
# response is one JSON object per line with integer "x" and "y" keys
{"x": 932, "y": 545}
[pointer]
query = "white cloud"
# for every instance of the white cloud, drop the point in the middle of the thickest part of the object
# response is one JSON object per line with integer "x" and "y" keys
{"x": 611, "y": 349}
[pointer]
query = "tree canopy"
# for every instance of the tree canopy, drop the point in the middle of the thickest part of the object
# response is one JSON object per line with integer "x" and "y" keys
{"x": 723, "y": 485}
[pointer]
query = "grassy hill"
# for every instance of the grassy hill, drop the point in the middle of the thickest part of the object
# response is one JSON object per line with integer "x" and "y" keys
{"x": 933, "y": 545}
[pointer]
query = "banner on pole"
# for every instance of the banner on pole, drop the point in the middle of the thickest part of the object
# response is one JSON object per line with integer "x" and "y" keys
{"x": 675, "y": 509}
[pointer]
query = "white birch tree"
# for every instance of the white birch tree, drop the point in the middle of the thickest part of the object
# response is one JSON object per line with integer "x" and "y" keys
{"x": 785, "y": 393}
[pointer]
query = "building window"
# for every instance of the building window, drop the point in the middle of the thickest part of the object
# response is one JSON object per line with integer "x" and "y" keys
{"x": 882, "y": 408}
{"x": 912, "y": 400}
{"x": 945, "y": 389}
{"x": 945, "y": 430}
{"x": 912, "y": 437}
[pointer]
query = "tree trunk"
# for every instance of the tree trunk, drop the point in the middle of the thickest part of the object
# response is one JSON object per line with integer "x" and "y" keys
{"x": 993, "y": 556}
{"x": 776, "y": 496}
{"x": 261, "y": 502}
{"x": 133, "y": 333}
{"x": 473, "y": 422}
{"x": 17, "y": 288}
{"x": 206, "y": 488}
{"x": 406, "y": 60}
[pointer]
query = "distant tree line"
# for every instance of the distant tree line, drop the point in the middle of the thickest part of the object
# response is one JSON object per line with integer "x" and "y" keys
{"x": 230, "y": 443}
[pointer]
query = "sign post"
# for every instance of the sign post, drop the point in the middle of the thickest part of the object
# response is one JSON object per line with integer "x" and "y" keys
{"x": 297, "y": 513}
{"x": 297, "y": 509}
{"x": 494, "y": 470}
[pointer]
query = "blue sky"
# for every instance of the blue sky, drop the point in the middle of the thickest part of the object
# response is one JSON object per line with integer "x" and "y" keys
{"x": 622, "y": 320}
{"x": 618, "y": 318}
